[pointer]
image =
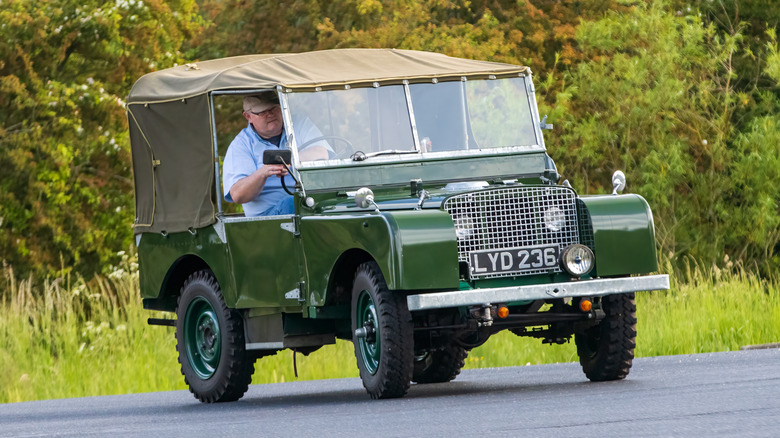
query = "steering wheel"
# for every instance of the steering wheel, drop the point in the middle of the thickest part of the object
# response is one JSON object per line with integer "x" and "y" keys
{"x": 327, "y": 137}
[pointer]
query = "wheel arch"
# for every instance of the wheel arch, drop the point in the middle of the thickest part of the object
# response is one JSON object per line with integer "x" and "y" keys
{"x": 343, "y": 274}
{"x": 171, "y": 285}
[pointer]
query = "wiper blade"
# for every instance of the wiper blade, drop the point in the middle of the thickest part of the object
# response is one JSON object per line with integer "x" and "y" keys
{"x": 360, "y": 156}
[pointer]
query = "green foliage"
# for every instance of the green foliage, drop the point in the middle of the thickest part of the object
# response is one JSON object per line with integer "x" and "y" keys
{"x": 659, "y": 97}
{"x": 66, "y": 186}
{"x": 524, "y": 32}
{"x": 69, "y": 337}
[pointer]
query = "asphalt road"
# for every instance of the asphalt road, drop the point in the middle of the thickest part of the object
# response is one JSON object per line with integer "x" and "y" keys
{"x": 734, "y": 394}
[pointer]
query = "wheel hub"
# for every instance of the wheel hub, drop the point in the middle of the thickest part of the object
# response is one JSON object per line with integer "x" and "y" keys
{"x": 202, "y": 338}
{"x": 367, "y": 335}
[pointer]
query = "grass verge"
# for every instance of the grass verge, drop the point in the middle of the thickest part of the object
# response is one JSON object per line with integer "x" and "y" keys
{"x": 76, "y": 338}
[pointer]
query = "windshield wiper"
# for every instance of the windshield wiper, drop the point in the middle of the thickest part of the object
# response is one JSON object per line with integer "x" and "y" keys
{"x": 361, "y": 156}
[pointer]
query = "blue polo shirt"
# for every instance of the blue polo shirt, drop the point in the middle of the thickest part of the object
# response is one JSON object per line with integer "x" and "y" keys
{"x": 245, "y": 155}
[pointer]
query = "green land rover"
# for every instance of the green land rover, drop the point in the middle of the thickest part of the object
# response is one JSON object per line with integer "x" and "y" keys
{"x": 436, "y": 221}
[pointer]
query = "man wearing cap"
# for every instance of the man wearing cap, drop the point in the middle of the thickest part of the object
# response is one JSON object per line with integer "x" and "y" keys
{"x": 245, "y": 179}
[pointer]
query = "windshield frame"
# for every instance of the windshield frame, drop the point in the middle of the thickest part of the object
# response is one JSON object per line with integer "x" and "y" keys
{"x": 410, "y": 156}
{"x": 420, "y": 155}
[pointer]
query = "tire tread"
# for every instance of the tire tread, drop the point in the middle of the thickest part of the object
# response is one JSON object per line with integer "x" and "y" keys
{"x": 233, "y": 381}
{"x": 615, "y": 352}
{"x": 447, "y": 363}
{"x": 392, "y": 379}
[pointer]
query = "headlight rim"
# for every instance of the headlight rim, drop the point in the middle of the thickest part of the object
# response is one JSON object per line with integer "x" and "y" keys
{"x": 569, "y": 252}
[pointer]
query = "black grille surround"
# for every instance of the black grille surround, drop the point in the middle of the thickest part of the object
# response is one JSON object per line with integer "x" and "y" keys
{"x": 511, "y": 218}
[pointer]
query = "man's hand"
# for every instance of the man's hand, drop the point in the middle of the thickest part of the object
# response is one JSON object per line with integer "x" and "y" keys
{"x": 248, "y": 188}
{"x": 273, "y": 169}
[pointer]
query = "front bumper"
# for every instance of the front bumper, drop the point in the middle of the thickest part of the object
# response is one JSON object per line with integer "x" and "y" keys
{"x": 583, "y": 288}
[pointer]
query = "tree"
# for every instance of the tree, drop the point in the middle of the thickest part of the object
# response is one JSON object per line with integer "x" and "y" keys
{"x": 660, "y": 97}
{"x": 521, "y": 32}
{"x": 65, "y": 67}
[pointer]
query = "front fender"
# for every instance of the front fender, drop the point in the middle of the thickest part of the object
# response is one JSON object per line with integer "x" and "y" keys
{"x": 416, "y": 250}
{"x": 426, "y": 250}
{"x": 622, "y": 232}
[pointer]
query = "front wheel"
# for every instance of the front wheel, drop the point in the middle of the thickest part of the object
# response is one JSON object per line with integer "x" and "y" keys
{"x": 607, "y": 350}
{"x": 210, "y": 342}
{"x": 382, "y": 334}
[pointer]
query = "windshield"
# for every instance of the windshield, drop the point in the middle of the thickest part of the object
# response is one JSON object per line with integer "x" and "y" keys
{"x": 355, "y": 121}
{"x": 376, "y": 123}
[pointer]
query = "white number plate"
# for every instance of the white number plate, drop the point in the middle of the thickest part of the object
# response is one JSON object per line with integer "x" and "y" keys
{"x": 514, "y": 260}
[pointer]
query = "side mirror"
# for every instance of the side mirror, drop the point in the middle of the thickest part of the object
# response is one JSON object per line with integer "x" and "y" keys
{"x": 277, "y": 156}
{"x": 618, "y": 182}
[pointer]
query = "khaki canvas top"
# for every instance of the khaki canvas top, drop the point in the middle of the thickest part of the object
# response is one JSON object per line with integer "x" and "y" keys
{"x": 325, "y": 69}
{"x": 169, "y": 115}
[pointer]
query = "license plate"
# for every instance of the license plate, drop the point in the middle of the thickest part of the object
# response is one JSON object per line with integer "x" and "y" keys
{"x": 514, "y": 260}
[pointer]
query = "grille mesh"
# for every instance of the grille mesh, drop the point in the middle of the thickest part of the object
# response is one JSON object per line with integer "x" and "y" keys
{"x": 513, "y": 218}
{"x": 586, "y": 228}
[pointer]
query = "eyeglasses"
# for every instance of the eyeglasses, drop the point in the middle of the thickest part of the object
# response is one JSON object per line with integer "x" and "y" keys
{"x": 265, "y": 113}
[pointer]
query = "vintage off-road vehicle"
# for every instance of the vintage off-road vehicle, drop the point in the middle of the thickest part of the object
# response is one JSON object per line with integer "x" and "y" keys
{"x": 437, "y": 221}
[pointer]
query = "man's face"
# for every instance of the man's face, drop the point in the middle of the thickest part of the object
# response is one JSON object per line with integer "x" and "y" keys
{"x": 267, "y": 123}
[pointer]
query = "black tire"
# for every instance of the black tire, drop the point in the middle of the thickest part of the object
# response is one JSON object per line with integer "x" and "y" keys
{"x": 385, "y": 354}
{"x": 439, "y": 365}
{"x": 210, "y": 342}
{"x": 607, "y": 350}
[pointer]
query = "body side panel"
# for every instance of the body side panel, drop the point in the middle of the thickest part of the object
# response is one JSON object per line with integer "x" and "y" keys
{"x": 159, "y": 256}
{"x": 265, "y": 260}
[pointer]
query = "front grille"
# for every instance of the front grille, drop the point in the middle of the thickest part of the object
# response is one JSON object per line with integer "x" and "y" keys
{"x": 509, "y": 218}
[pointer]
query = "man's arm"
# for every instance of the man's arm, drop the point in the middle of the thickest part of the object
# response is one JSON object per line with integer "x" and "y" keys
{"x": 305, "y": 131}
{"x": 313, "y": 153}
{"x": 248, "y": 188}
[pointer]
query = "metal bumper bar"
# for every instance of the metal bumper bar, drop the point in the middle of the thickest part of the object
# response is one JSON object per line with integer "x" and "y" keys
{"x": 584, "y": 288}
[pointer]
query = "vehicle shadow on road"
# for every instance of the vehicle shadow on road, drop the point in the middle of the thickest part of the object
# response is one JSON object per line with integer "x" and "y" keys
{"x": 313, "y": 394}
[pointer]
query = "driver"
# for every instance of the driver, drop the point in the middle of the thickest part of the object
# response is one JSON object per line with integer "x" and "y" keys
{"x": 245, "y": 179}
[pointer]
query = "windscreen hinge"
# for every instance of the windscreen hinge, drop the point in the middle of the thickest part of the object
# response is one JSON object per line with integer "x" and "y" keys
{"x": 544, "y": 125}
{"x": 292, "y": 227}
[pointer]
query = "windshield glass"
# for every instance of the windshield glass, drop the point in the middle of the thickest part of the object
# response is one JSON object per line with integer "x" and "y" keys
{"x": 469, "y": 115}
{"x": 355, "y": 121}
{"x": 375, "y": 123}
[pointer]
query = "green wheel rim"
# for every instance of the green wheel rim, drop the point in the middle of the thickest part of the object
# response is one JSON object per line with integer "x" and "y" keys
{"x": 370, "y": 346}
{"x": 202, "y": 339}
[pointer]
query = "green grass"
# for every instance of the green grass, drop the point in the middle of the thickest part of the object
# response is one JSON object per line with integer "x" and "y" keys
{"x": 75, "y": 338}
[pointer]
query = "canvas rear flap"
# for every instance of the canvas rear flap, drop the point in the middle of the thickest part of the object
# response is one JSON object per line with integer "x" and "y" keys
{"x": 173, "y": 164}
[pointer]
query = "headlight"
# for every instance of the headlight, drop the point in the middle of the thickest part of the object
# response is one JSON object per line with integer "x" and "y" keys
{"x": 464, "y": 226}
{"x": 555, "y": 219}
{"x": 577, "y": 259}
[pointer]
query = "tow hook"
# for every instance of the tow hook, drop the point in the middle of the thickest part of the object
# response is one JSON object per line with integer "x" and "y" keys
{"x": 483, "y": 314}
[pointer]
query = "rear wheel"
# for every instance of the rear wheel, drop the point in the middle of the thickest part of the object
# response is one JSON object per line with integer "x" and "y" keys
{"x": 607, "y": 350}
{"x": 210, "y": 342}
{"x": 439, "y": 365}
{"x": 382, "y": 334}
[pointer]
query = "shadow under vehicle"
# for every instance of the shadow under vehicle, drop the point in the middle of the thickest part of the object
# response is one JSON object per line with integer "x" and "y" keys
{"x": 437, "y": 221}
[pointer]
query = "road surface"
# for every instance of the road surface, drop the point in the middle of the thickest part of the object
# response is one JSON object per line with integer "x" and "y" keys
{"x": 733, "y": 394}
